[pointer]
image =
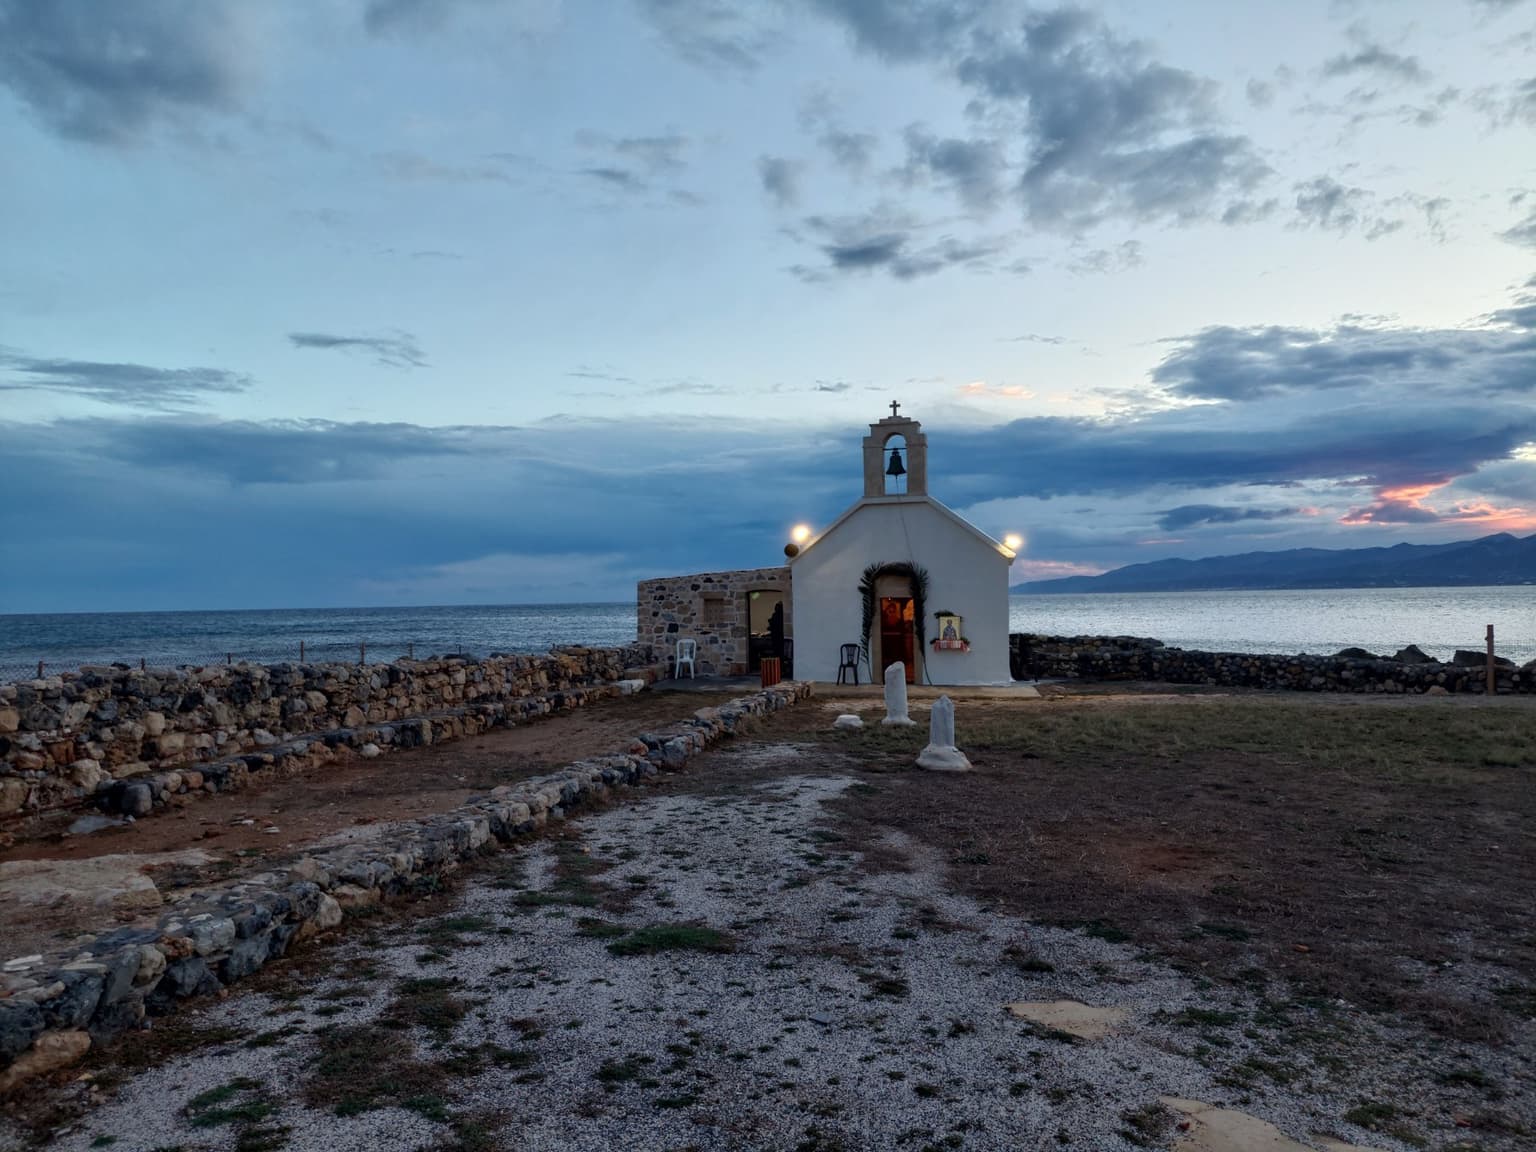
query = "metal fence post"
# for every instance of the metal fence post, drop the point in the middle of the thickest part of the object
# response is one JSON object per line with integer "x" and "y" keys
{"x": 1493, "y": 679}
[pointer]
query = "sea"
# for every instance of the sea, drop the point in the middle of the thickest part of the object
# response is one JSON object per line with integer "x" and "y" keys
{"x": 1438, "y": 620}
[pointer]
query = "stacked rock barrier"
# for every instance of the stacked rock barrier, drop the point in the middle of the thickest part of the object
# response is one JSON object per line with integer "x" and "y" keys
{"x": 131, "y": 739}
{"x": 1353, "y": 670}
{"x": 55, "y": 1008}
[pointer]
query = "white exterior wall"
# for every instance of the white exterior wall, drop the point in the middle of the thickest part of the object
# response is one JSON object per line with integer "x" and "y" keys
{"x": 966, "y": 575}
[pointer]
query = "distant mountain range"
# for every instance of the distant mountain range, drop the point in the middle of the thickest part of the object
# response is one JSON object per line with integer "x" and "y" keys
{"x": 1498, "y": 559}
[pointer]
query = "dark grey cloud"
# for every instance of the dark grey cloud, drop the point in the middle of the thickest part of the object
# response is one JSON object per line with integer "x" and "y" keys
{"x": 619, "y": 179}
{"x": 1192, "y": 515}
{"x": 1034, "y": 338}
{"x": 851, "y": 151}
{"x": 127, "y": 385}
{"x": 1523, "y": 232}
{"x": 781, "y": 179}
{"x": 639, "y": 165}
{"x": 1261, "y": 93}
{"x": 135, "y": 386}
{"x": 974, "y": 169}
{"x": 1360, "y": 444}
{"x": 1325, "y": 203}
{"x": 110, "y": 73}
{"x": 1375, "y": 60}
{"x": 1106, "y": 130}
{"x": 890, "y": 243}
{"x": 396, "y": 350}
{"x": 1245, "y": 364}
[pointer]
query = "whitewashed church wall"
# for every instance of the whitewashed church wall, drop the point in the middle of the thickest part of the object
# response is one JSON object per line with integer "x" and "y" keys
{"x": 965, "y": 576}
{"x": 711, "y": 608}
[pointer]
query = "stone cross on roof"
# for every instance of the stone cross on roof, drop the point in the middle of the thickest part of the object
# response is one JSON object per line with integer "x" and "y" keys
{"x": 895, "y": 404}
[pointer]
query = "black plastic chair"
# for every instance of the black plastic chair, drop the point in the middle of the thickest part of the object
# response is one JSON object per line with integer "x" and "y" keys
{"x": 787, "y": 652}
{"x": 848, "y": 657}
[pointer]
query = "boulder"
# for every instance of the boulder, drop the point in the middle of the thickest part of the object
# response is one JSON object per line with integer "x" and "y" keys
{"x": 1412, "y": 655}
{"x": 49, "y": 1052}
{"x": 1356, "y": 654}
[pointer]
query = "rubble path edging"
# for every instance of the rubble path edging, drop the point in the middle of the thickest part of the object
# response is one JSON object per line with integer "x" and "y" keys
{"x": 53, "y": 1010}
{"x": 67, "y": 738}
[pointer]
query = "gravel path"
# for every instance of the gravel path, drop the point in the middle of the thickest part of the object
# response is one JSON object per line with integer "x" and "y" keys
{"x": 854, "y": 1010}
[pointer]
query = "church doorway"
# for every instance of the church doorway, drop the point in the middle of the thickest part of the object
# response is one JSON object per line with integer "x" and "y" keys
{"x": 898, "y": 636}
{"x": 765, "y": 627}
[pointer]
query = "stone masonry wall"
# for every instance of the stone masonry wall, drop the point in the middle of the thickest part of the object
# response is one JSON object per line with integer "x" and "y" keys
{"x": 130, "y": 738}
{"x": 710, "y": 607}
{"x": 1138, "y": 658}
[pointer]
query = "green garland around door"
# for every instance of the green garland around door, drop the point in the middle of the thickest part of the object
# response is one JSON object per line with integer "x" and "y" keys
{"x": 918, "y": 576}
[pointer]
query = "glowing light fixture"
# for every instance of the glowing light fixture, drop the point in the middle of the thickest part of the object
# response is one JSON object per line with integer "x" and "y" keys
{"x": 800, "y": 533}
{"x": 1013, "y": 541}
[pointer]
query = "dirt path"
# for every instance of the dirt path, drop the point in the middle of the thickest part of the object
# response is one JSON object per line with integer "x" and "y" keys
{"x": 717, "y": 971}
{"x": 251, "y": 829}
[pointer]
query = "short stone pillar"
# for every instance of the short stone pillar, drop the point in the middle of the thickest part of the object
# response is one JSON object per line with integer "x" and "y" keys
{"x": 896, "y": 696}
{"x": 847, "y": 722}
{"x": 941, "y": 755}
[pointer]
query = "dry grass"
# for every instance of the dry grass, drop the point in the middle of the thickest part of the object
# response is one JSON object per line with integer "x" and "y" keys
{"x": 1372, "y": 849}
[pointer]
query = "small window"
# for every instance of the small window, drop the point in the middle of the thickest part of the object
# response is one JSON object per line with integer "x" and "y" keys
{"x": 713, "y": 615}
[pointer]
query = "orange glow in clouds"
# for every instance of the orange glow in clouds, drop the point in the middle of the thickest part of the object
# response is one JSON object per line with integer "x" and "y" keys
{"x": 1405, "y": 504}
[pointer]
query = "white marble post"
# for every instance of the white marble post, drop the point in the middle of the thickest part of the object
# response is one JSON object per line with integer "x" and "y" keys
{"x": 896, "y": 696}
{"x": 941, "y": 755}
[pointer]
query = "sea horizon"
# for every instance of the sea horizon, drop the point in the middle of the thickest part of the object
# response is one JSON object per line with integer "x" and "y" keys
{"x": 1439, "y": 620}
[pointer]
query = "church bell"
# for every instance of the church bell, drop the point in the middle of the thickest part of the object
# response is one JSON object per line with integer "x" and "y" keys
{"x": 896, "y": 468}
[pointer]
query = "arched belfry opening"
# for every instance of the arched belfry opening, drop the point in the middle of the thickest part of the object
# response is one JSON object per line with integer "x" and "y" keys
{"x": 896, "y": 457}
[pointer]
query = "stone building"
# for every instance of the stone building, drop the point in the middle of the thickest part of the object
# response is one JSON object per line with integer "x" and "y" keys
{"x": 898, "y": 574}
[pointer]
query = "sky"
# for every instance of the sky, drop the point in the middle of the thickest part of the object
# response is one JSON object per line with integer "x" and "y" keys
{"x": 311, "y": 303}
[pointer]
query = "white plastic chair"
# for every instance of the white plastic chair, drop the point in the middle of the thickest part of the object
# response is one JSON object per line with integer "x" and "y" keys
{"x": 686, "y": 650}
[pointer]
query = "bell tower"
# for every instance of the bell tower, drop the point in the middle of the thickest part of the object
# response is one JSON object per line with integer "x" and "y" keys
{"x": 896, "y": 469}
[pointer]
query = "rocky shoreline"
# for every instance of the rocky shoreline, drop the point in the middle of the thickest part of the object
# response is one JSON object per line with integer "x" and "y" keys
{"x": 1038, "y": 657}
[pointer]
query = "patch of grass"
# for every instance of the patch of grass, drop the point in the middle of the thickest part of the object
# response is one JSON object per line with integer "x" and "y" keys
{"x": 241, "y": 1101}
{"x": 1380, "y": 1117}
{"x": 1026, "y": 960}
{"x": 612, "y": 1073}
{"x": 1473, "y": 1078}
{"x": 1205, "y": 1018}
{"x": 426, "y": 1002}
{"x": 478, "y": 1132}
{"x": 362, "y": 1067}
{"x": 1106, "y": 931}
{"x": 880, "y": 985}
{"x": 262, "y": 1138}
{"x": 672, "y": 938}
{"x": 599, "y": 929}
{"x": 1146, "y": 1126}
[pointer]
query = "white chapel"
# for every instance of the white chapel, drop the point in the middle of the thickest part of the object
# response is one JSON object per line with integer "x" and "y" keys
{"x": 897, "y": 577}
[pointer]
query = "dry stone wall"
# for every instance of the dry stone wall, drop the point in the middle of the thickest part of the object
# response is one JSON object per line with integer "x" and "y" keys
{"x": 1138, "y": 658}
{"x": 54, "y": 1008}
{"x": 710, "y": 607}
{"x": 131, "y": 739}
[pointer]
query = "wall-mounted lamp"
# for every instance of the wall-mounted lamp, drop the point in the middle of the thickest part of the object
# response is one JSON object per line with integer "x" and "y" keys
{"x": 800, "y": 533}
{"x": 1013, "y": 541}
